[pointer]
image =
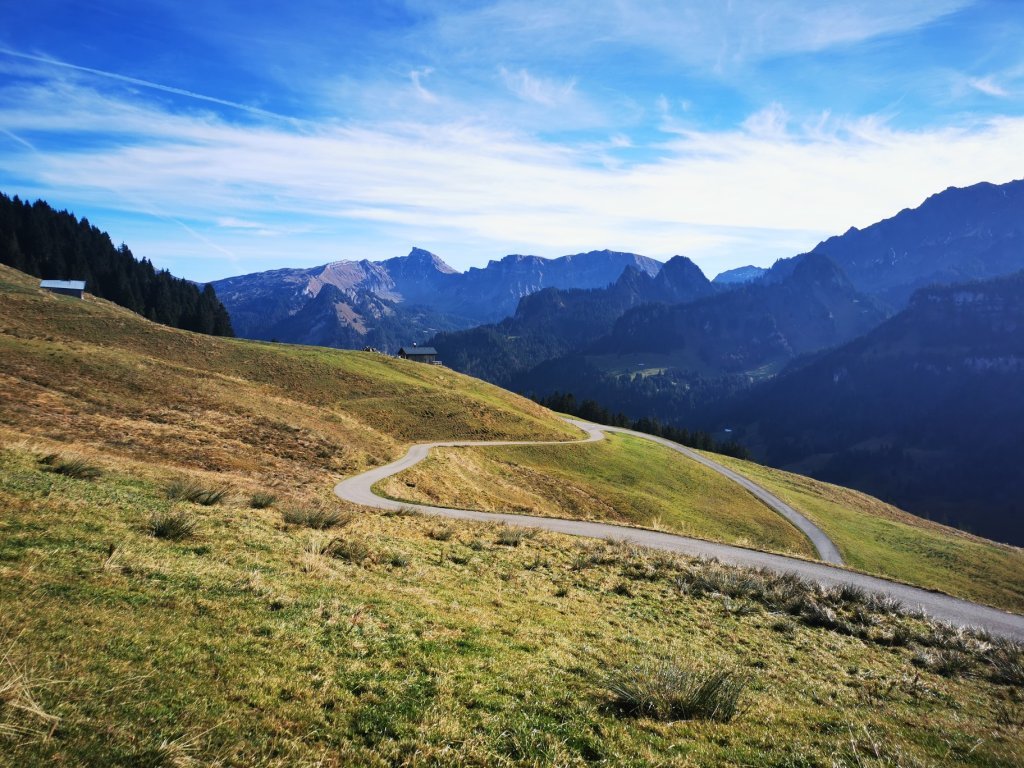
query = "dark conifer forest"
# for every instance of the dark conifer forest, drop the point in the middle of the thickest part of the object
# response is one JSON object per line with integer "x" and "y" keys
{"x": 56, "y": 245}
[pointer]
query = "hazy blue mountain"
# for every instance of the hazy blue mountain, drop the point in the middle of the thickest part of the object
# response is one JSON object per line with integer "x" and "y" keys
{"x": 972, "y": 233}
{"x": 815, "y": 306}
{"x": 553, "y": 322}
{"x": 739, "y": 275}
{"x": 273, "y": 304}
{"x": 926, "y": 410}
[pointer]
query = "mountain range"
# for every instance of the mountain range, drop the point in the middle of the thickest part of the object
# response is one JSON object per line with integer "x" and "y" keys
{"x": 396, "y": 301}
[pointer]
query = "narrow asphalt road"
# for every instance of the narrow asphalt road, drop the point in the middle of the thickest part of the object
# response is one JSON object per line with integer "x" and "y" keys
{"x": 827, "y": 550}
{"x": 358, "y": 490}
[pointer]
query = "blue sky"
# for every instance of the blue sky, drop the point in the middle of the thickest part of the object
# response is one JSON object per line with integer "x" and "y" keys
{"x": 219, "y": 138}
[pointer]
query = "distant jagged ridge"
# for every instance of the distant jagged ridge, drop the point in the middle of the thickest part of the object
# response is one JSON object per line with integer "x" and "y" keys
{"x": 407, "y": 298}
{"x": 554, "y": 322}
{"x": 51, "y": 244}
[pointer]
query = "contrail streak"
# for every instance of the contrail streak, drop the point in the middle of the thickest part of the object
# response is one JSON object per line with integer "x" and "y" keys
{"x": 149, "y": 84}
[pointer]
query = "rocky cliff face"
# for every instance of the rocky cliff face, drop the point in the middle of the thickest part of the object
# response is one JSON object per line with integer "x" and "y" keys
{"x": 552, "y": 322}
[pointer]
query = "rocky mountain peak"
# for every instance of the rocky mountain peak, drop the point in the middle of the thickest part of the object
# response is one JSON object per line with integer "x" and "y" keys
{"x": 425, "y": 258}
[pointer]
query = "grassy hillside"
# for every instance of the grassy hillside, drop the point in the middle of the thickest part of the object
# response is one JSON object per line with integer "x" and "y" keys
{"x": 878, "y": 538}
{"x": 98, "y": 376}
{"x": 620, "y": 479}
{"x": 139, "y": 628}
{"x": 380, "y": 642}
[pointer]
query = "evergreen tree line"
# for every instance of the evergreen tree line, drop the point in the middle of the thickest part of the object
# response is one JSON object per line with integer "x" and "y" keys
{"x": 55, "y": 245}
{"x": 591, "y": 410}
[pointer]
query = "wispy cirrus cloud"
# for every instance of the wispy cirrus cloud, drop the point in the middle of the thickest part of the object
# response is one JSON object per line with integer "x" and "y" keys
{"x": 538, "y": 90}
{"x": 416, "y": 77}
{"x": 57, "y": 63}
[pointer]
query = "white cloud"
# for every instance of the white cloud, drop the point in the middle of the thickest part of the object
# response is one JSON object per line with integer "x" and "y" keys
{"x": 988, "y": 86}
{"x": 538, "y": 90}
{"x": 766, "y": 189}
{"x": 770, "y": 122}
{"x": 709, "y": 33}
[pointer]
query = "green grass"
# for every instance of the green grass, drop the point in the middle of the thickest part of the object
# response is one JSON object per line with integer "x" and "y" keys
{"x": 877, "y": 538}
{"x": 248, "y": 646}
{"x": 620, "y": 479}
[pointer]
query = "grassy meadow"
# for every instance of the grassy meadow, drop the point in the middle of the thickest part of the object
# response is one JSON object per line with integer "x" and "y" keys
{"x": 630, "y": 481}
{"x": 403, "y": 640}
{"x": 94, "y": 375}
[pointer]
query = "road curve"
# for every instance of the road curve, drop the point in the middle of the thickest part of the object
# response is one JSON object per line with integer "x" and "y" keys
{"x": 827, "y": 550}
{"x": 358, "y": 490}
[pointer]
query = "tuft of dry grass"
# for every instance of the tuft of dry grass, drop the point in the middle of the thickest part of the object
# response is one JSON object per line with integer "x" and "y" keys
{"x": 22, "y": 718}
{"x": 70, "y": 466}
{"x": 262, "y": 500}
{"x": 172, "y": 525}
{"x": 677, "y": 690}
{"x": 513, "y": 537}
{"x": 195, "y": 492}
{"x": 316, "y": 516}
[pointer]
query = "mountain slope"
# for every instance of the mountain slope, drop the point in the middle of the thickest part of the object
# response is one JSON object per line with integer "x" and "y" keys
{"x": 257, "y": 640}
{"x": 923, "y": 411}
{"x": 91, "y": 372}
{"x": 671, "y": 361}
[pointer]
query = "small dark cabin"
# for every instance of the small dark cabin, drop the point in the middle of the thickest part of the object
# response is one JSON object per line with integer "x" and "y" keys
{"x": 418, "y": 354}
{"x": 74, "y": 288}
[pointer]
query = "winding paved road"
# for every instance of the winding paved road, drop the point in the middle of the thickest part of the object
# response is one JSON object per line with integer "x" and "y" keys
{"x": 358, "y": 490}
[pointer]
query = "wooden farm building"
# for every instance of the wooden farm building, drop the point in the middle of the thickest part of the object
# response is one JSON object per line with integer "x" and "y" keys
{"x": 418, "y": 354}
{"x": 74, "y": 288}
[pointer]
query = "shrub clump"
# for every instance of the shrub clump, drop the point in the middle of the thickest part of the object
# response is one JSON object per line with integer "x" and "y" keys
{"x": 196, "y": 493}
{"x": 318, "y": 517}
{"x": 174, "y": 525}
{"x": 674, "y": 690}
{"x": 70, "y": 466}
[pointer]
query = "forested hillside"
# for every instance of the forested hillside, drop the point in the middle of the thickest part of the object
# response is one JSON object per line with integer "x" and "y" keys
{"x": 924, "y": 411}
{"x": 56, "y": 245}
